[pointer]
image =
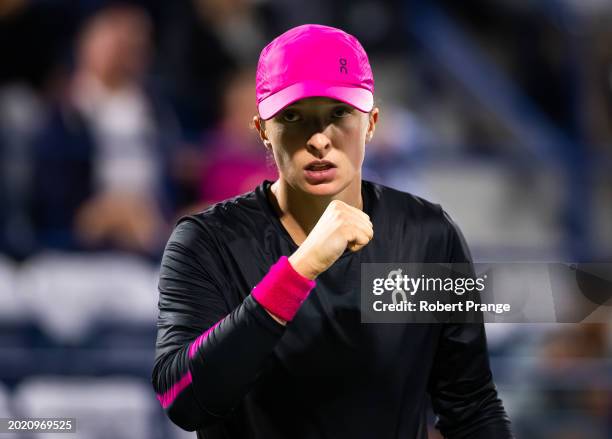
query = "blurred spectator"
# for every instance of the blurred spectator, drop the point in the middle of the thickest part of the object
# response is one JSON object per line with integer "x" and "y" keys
{"x": 101, "y": 171}
{"x": 203, "y": 41}
{"x": 236, "y": 158}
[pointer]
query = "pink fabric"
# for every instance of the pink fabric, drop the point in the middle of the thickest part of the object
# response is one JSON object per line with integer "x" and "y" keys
{"x": 359, "y": 98}
{"x": 168, "y": 398}
{"x": 313, "y": 60}
{"x": 198, "y": 341}
{"x": 232, "y": 173}
{"x": 283, "y": 290}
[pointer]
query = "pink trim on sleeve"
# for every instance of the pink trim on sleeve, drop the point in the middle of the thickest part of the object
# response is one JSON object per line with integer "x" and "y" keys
{"x": 166, "y": 399}
{"x": 283, "y": 290}
{"x": 198, "y": 341}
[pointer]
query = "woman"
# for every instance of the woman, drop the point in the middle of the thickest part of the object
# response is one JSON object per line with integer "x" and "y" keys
{"x": 259, "y": 326}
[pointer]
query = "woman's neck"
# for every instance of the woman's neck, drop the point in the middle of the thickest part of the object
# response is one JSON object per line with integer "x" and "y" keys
{"x": 299, "y": 211}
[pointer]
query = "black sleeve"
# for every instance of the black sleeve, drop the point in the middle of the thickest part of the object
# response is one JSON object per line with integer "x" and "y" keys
{"x": 198, "y": 387}
{"x": 461, "y": 385}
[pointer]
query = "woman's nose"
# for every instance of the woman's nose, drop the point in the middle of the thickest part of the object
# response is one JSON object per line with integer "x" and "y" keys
{"x": 318, "y": 144}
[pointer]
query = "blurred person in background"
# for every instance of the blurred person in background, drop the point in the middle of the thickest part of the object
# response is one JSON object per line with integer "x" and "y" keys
{"x": 234, "y": 161}
{"x": 101, "y": 178}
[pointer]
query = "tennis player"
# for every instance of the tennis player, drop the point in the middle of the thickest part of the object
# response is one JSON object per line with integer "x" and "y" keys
{"x": 259, "y": 331}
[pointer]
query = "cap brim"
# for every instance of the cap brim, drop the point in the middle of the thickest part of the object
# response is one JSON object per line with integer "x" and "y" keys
{"x": 357, "y": 97}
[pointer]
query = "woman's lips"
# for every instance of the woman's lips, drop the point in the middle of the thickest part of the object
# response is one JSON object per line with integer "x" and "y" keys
{"x": 319, "y": 173}
{"x": 319, "y": 165}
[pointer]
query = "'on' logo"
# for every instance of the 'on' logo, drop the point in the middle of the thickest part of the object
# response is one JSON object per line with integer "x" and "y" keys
{"x": 343, "y": 68}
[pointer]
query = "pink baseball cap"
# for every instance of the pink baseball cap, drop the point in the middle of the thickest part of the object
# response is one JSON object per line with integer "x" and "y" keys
{"x": 313, "y": 60}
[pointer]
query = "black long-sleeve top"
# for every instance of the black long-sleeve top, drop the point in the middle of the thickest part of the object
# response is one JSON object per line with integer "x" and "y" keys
{"x": 325, "y": 374}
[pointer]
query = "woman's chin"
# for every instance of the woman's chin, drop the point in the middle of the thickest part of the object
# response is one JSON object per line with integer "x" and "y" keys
{"x": 328, "y": 188}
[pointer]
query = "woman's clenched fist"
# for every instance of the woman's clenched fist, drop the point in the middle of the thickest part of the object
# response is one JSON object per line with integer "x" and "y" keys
{"x": 341, "y": 226}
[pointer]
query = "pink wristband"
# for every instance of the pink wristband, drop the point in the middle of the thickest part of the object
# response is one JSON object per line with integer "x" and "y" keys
{"x": 283, "y": 290}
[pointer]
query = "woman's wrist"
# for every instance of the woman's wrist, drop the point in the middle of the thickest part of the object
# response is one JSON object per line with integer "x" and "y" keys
{"x": 302, "y": 264}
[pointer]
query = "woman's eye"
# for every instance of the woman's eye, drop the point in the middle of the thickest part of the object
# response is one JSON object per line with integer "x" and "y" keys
{"x": 290, "y": 116}
{"x": 341, "y": 112}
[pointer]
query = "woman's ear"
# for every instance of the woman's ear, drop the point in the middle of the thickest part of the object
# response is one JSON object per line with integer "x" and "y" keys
{"x": 259, "y": 125}
{"x": 372, "y": 120}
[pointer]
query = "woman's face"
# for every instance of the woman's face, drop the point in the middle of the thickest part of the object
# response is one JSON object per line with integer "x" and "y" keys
{"x": 319, "y": 143}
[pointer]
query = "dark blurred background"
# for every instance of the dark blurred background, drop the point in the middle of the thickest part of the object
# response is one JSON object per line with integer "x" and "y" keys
{"x": 118, "y": 117}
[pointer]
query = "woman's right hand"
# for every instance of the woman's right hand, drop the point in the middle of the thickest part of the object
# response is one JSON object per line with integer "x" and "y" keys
{"x": 340, "y": 226}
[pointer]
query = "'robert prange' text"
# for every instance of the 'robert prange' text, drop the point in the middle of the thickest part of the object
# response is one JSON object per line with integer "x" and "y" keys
{"x": 437, "y": 306}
